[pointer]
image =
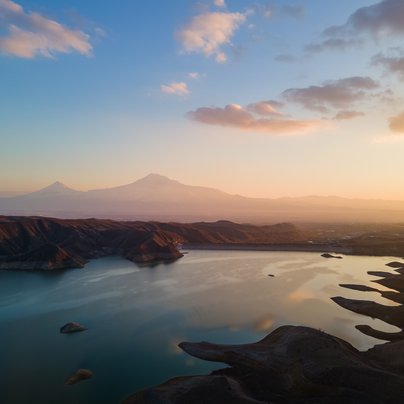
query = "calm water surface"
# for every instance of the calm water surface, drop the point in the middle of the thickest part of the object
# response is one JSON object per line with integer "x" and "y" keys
{"x": 136, "y": 315}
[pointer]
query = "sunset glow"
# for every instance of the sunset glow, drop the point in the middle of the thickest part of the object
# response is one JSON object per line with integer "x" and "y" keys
{"x": 262, "y": 99}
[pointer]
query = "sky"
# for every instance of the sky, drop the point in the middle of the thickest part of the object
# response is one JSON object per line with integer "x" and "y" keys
{"x": 259, "y": 98}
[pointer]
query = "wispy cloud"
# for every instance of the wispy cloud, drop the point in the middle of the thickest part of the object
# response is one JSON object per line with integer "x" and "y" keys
{"x": 29, "y": 34}
{"x": 396, "y": 135}
{"x": 236, "y": 116}
{"x": 332, "y": 94}
{"x": 175, "y": 88}
{"x": 396, "y": 123}
{"x": 286, "y": 58}
{"x": 194, "y": 75}
{"x": 382, "y": 19}
{"x": 273, "y": 10}
{"x": 393, "y": 63}
{"x": 334, "y": 44}
{"x": 264, "y": 10}
{"x": 294, "y": 11}
{"x": 347, "y": 114}
{"x": 219, "y": 3}
{"x": 208, "y": 33}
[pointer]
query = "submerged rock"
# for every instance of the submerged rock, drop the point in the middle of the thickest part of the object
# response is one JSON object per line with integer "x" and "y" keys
{"x": 72, "y": 327}
{"x": 79, "y": 376}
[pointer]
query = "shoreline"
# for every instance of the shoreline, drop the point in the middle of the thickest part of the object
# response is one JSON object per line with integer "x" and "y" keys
{"x": 319, "y": 248}
{"x": 295, "y": 363}
{"x": 269, "y": 247}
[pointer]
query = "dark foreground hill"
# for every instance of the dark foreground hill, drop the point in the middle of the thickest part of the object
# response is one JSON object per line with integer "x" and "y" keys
{"x": 301, "y": 365}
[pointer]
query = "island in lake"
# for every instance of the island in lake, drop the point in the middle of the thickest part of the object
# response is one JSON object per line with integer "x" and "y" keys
{"x": 293, "y": 363}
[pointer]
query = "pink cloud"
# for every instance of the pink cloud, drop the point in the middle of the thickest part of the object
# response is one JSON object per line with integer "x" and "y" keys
{"x": 30, "y": 34}
{"x": 208, "y": 33}
{"x": 265, "y": 108}
{"x": 175, "y": 88}
{"x": 234, "y": 115}
{"x": 340, "y": 93}
{"x": 396, "y": 123}
{"x": 219, "y": 3}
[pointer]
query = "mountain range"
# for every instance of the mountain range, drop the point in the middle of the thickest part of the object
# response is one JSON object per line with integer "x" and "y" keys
{"x": 156, "y": 197}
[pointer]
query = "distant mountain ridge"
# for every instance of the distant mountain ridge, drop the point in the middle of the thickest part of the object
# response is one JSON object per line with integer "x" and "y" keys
{"x": 156, "y": 197}
{"x": 155, "y": 187}
{"x": 55, "y": 189}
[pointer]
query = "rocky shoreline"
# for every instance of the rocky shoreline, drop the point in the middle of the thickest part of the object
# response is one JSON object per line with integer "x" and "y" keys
{"x": 295, "y": 364}
{"x": 36, "y": 243}
{"x": 39, "y": 243}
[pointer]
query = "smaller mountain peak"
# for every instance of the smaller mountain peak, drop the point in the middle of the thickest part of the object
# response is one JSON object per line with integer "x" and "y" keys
{"x": 56, "y": 188}
{"x": 154, "y": 178}
{"x": 57, "y": 184}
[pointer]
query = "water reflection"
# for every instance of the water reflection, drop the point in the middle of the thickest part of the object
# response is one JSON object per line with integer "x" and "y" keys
{"x": 137, "y": 314}
{"x": 392, "y": 313}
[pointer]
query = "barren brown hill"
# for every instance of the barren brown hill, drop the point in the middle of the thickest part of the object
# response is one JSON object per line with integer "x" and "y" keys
{"x": 50, "y": 243}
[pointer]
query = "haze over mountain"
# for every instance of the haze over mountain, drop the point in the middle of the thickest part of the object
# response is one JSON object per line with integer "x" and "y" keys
{"x": 157, "y": 188}
{"x": 156, "y": 197}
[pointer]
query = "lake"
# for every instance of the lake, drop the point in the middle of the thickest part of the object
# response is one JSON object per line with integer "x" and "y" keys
{"x": 136, "y": 315}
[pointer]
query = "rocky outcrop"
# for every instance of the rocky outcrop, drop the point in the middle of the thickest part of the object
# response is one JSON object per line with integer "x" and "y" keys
{"x": 395, "y": 264}
{"x": 290, "y": 365}
{"x": 152, "y": 249}
{"x": 300, "y": 364}
{"x": 393, "y": 315}
{"x": 328, "y": 255}
{"x": 72, "y": 327}
{"x": 35, "y": 243}
{"x": 212, "y": 389}
{"x": 79, "y": 376}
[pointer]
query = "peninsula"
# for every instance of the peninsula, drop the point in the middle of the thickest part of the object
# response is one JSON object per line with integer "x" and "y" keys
{"x": 39, "y": 243}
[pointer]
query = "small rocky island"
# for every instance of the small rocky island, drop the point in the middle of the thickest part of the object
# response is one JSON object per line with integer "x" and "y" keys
{"x": 293, "y": 364}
